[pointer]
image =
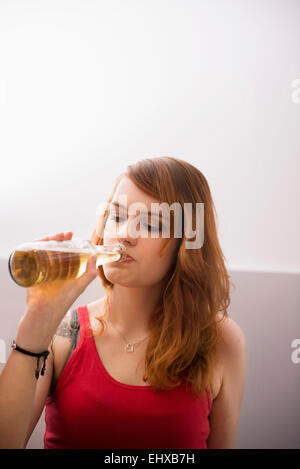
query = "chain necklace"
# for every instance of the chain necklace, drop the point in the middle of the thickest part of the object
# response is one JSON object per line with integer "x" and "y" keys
{"x": 128, "y": 347}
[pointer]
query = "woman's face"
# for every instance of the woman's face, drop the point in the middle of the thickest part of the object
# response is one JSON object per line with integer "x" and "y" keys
{"x": 148, "y": 267}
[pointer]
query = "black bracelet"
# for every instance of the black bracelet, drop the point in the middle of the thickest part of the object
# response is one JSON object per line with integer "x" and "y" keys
{"x": 32, "y": 354}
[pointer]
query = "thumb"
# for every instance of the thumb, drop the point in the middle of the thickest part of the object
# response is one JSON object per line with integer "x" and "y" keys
{"x": 91, "y": 269}
{"x": 90, "y": 273}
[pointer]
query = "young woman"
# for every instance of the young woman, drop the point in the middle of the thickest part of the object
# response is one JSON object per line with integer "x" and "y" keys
{"x": 156, "y": 362}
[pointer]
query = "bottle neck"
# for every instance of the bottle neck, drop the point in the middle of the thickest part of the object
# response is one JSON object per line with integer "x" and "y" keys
{"x": 117, "y": 248}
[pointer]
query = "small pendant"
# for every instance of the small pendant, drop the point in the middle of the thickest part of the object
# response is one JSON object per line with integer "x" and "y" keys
{"x": 129, "y": 347}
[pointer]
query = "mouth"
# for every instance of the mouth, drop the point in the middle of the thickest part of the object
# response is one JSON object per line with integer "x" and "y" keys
{"x": 127, "y": 259}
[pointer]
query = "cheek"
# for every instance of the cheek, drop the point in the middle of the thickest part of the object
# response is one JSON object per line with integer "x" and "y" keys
{"x": 158, "y": 263}
{"x": 109, "y": 231}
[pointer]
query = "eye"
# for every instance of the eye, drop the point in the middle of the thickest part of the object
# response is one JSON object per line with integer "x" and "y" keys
{"x": 119, "y": 219}
{"x": 115, "y": 217}
{"x": 154, "y": 228}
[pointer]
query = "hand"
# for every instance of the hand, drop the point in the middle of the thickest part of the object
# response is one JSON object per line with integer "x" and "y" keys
{"x": 59, "y": 295}
{"x": 48, "y": 303}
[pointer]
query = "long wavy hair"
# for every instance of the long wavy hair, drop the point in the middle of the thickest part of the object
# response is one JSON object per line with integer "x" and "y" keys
{"x": 184, "y": 328}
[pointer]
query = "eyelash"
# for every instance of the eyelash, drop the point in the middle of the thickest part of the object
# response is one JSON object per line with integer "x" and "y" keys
{"x": 114, "y": 217}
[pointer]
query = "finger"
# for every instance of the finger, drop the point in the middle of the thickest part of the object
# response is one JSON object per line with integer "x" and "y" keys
{"x": 58, "y": 236}
{"x": 68, "y": 235}
{"x": 62, "y": 236}
{"x": 42, "y": 239}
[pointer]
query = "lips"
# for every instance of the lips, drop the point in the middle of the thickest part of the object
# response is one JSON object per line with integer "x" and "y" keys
{"x": 127, "y": 259}
{"x": 128, "y": 256}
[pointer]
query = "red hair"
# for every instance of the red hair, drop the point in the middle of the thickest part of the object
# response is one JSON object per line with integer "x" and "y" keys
{"x": 185, "y": 326}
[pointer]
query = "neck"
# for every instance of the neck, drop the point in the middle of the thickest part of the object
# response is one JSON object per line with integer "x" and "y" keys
{"x": 130, "y": 309}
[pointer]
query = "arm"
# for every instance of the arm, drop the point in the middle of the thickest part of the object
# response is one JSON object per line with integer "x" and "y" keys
{"x": 22, "y": 397}
{"x": 18, "y": 388}
{"x": 224, "y": 417}
{"x": 59, "y": 350}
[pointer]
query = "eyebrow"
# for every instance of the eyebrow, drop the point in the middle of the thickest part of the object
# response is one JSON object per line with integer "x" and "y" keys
{"x": 116, "y": 204}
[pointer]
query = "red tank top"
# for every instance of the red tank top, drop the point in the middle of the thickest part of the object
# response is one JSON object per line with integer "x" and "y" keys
{"x": 90, "y": 409}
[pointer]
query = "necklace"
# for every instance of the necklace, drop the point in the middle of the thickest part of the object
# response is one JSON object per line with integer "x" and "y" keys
{"x": 128, "y": 347}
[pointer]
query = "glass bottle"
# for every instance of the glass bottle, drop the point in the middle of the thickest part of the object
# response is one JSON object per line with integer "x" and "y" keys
{"x": 38, "y": 262}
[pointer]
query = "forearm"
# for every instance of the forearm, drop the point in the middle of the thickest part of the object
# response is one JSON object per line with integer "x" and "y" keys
{"x": 17, "y": 390}
{"x": 18, "y": 381}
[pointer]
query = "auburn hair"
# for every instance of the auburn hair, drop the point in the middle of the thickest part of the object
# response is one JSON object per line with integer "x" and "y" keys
{"x": 184, "y": 330}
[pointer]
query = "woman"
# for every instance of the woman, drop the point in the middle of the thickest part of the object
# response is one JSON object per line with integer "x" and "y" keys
{"x": 156, "y": 362}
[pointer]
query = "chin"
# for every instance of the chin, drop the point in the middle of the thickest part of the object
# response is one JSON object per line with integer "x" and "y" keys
{"x": 119, "y": 278}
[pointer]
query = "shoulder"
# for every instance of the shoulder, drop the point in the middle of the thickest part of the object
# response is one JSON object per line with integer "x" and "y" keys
{"x": 232, "y": 350}
{"x": 62, "y": 341}
{"x": 225, "y": 412}
{"x": 64, "y": 328}
{"x": 232, "y": 338}
{"x": 67, "y": 328}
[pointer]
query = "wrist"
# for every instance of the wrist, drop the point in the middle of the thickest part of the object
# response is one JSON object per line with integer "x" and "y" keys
{"x": 44, "y": 355}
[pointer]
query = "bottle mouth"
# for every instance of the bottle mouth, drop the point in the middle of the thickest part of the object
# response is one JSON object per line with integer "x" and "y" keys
{"x": 121, "y": 248}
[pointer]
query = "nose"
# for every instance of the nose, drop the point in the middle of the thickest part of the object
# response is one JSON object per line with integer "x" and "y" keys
{"x": 126, "y": 233}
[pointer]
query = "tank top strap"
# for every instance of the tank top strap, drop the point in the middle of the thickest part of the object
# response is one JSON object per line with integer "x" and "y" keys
{"x": 85, "y": 325}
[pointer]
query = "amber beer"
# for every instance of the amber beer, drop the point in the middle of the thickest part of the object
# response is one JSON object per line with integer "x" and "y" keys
{"x": 51, "y": 261}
